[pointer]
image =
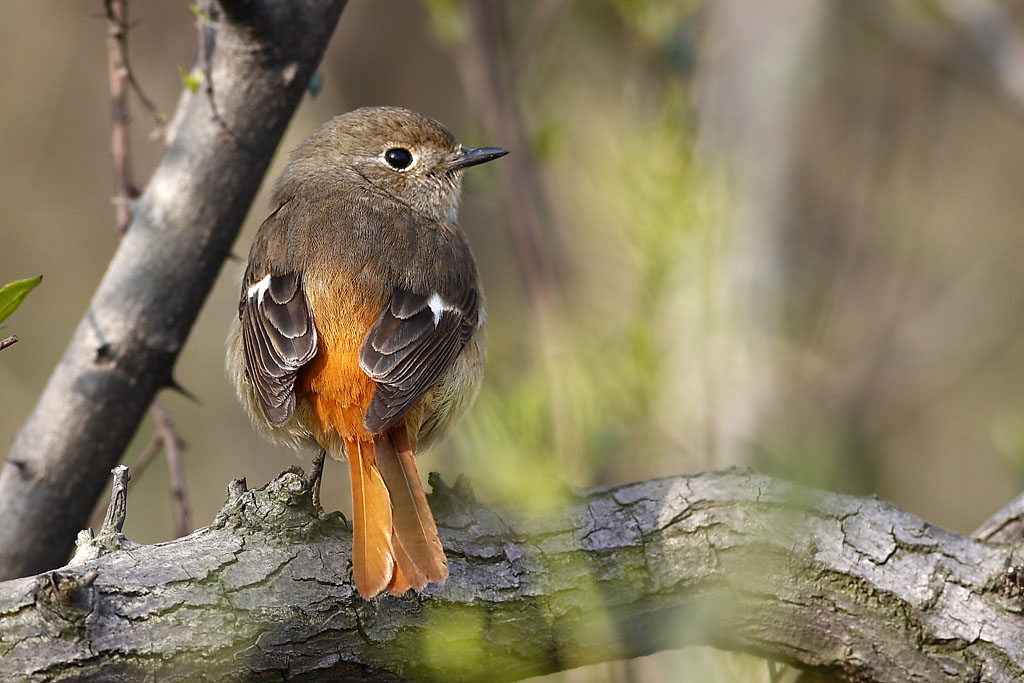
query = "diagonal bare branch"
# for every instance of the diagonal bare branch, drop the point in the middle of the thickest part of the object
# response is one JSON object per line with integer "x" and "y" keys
{"x": 182, "y": 228}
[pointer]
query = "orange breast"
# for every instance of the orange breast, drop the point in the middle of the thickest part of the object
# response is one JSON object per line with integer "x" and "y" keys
{"x": 335, "y": 386}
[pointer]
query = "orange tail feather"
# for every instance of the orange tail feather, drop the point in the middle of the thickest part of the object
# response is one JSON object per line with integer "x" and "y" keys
{"x": 373, "y": 561}
{"x": 417, "y": 548}
{"x": 407, "y": 574}
{"x": 398, "y": 585}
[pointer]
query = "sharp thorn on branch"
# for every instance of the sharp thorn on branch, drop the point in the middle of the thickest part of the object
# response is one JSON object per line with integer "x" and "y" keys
{"x": 173, "y": 385}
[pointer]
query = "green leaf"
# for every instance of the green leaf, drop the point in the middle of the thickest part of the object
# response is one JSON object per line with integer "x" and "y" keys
{"x": 191, "y": 79}
{"x": 201, "y": 13}
{"x": 13, "y": 293}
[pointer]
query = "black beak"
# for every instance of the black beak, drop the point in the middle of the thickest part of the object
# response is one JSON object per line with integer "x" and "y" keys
{"x": 476, "y": 155}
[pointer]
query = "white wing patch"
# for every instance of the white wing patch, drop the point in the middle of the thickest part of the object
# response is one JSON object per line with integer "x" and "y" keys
{"x": 261, "y": 287}
{"x": 439, "y": 306}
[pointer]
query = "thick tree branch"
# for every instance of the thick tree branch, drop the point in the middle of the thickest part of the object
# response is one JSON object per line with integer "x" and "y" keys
{"x": 849, "y": 587}
{"x": 1006, "y": 525}
{"x": 182, "y": 228}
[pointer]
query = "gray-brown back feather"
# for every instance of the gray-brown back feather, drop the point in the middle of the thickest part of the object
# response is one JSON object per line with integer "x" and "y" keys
{"x": 406, "y": 352}
{"x": 279, "y": 338}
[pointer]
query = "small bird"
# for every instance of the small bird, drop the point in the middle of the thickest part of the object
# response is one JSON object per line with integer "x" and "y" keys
{"x": 360, "y": 325}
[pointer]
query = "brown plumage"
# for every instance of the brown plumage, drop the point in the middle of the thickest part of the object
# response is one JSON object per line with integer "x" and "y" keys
{"x": 360, "y": 323}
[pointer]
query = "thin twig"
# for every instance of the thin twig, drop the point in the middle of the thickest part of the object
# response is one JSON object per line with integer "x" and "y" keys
{"x": 172, "y": 444}
{"x": 164, "y": 437}
{"x": 147, "y": 455}
{"x": 117, "y": 509}
{"x": 117, "y": 40}
{"x": 117, "y": 16}
{"x": 1005, "y": 526}
{"x": 159, "y": 118}
{"x": 90, "y": 546}
{"x": 4, "y": 343}
{"x": 204, "y": 26}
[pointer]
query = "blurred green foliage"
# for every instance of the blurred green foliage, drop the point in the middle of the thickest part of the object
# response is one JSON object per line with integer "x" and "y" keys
{"x": 604, "y": 374}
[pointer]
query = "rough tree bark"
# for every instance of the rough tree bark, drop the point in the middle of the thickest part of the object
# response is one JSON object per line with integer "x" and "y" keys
{"x": 182, "y": 228}
{"x": 848, "y": 587}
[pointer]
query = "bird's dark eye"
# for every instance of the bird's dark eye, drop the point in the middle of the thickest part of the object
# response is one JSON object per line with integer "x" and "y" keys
{"x": 398, "y": 158}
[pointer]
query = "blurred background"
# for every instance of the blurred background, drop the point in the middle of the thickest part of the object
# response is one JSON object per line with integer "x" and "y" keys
{"x": 783, "y": 234}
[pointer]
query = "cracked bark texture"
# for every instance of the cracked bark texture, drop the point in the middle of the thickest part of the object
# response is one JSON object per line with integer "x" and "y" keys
{"x": 182, "y": 228}
{"x": 851, "y": 588}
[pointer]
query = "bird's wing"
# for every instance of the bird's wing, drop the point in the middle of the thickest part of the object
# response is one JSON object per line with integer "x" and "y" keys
{"x": 279, "y": 338}
{"x": 410, "y": 346}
